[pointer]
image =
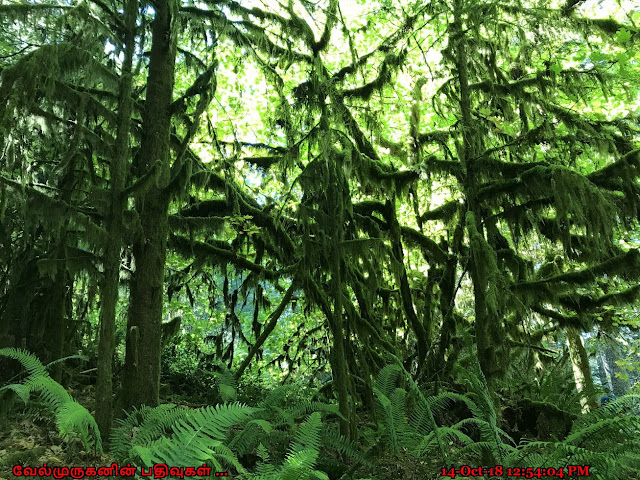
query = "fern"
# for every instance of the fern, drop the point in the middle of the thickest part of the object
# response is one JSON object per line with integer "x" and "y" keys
{"x": 607, "y": 439}
{"x": 301, "y": 457}
{"x": 227, "y": 386}
{"x": 130, "y": 432}
{"x": 72, "y": 419}
{"x": 411, "y": 426}
{"x": 278, "y": 423}
{"x": 254, "y": 433}
{"x": 402, "y": 429}
{"x": 333, "y": 439}
{"x": 485, "y": 418}
{"x": 308, "y": 436}
{"x": 181, "y": 437}
{"x": 282, "y": 405}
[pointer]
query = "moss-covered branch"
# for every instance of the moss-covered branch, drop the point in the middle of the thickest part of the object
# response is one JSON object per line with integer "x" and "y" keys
{"x": 561, "y": 319}
{"x": 364, "y": 92}
{"x": 627, "y": 264}
{"x": 444, "y": 212}
{"x": 266, "y": 331}
{"x": 587, "y": 303}
{"x": 430, "y": 248}
{"x": 218, "y": 253}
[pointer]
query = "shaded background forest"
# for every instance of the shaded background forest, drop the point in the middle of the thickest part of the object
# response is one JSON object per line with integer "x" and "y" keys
{"x": 396, "y": 231}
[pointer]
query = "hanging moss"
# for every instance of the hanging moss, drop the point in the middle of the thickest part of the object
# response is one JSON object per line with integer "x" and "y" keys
{"x": 485, "y": 261}
{"x": 431, "y": 249}
{"x": 627, "y": 264}
{"x": 366, "y": 91}
{"x": 589, "y": 303}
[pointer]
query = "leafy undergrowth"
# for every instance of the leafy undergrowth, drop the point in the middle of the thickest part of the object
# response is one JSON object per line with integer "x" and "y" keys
{"x": 31, "y": 437}
{"x": 290, "y": 434}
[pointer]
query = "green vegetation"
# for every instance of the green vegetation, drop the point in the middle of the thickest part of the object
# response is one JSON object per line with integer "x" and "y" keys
{"x": 332, "y": 240}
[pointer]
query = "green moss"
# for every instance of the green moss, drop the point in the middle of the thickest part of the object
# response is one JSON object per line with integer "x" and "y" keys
{"x": 22, "y": 457}
{"x": 486, "y": 265}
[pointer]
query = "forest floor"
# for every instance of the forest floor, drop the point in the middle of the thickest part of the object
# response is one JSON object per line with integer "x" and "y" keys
{"x": 29, "y": 437}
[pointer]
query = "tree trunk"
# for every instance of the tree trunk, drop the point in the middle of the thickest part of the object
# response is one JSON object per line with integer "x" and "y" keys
{"x": 57, "y": 319}
{"x": 337, "y": 356}
{"x": 603, "y": 371}
{"x": 619, "y": 386}
{"x": 59, "y": 291}
{"x": 439, "y": 367}
{"x": 338, "y": 359}
{"x": 581, "y": 369}
{"x": 422, "y": 338}
{"x": 142, "y": 364}
{"x": 489, "y": 330}
{"x": 111, "y": 260}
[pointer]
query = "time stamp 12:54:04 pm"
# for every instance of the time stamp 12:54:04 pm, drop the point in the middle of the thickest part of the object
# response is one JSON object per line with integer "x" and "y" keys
{"x": 570, "y": 471}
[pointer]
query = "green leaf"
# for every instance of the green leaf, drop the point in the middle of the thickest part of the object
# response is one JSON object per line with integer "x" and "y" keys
{"x": 556, "y": 68}
{"x": 623, "y": 35}
{"x": 622, "y": 58}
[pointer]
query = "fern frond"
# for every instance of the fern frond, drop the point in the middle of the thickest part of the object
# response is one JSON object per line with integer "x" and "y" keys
{"x": 84, "y": 358}
{"x": 157, "y": 422}
{"x": 250, "y": 437}
{"x": 227, "y": 385}
{"x": 51, "y": 391}
{"x": 122, "y": 435}
{"x": 72, "y": 419}
{"x": 27, "y": 359}
{"x": 308, "y": 435}
{"x": 22, "y": 391}
{"x": 331, "y": 438}
{"x": 304, "y": 451}
{"x": 306, "y": 407}
{"x": 184, "y": 437}
{"x": 610, "y": 445}
{"x": 299, "y": 466}
{"x": 387, "y": 379}
{"x": 625, "y": 425}
{"x": 301, "y": 457}
{"x": 421, "y": 414}
{"x": 389, "y": 427}
{"x": 625, "y": 405}
{"x": 429, "y": 443}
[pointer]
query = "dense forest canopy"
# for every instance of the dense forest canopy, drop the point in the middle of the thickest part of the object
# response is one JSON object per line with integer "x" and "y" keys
{"x": 323, "y": 240}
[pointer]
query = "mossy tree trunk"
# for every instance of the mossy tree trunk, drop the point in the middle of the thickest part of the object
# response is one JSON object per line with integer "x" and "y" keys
{"x": 479, "y": 266}
{"x": 441, "y": 365}
{"x": 56, "y": 316}
{"x": 142, "y": 364}
{"x": 581, "y": 369}
{"x": 612, "y": 355}
{"x": 60, "y": 290}
{"x": 111, "y": 259}
{"x": 421, "y": 331}
{"x": 336, "y": 196}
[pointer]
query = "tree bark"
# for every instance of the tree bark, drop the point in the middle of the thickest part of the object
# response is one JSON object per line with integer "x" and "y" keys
{"x": 57, "y": 317}
{"x": 111, "y": 260}
{"x": 581, "y": 369}
{"x": 338, "y": 360}
{"x": 619, "y": 386}
{"x": 142, "y": 364}
{"x": 488, "y": 328}
{"x": 422, "y": 337}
